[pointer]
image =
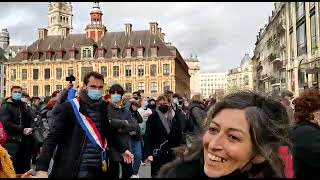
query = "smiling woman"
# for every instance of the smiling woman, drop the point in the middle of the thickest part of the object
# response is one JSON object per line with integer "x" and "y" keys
{"x": 243, "y": 135}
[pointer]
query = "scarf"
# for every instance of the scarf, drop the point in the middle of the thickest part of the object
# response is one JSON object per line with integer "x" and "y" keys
{"x": 166, "y": 118}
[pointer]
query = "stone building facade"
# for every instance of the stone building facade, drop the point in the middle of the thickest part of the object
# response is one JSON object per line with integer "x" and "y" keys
{"x": 240, "y": 78}
{"x": 287, "y": 54}
{"x": 194, "y": 71}
{"x": 137, "y": 60}
{"x": 7, "y": 52}
{"x": 212, "y": 83}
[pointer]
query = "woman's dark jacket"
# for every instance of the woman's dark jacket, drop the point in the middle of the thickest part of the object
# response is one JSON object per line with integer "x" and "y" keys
{"x": 156, "y": 133}
{"x": 306, "y": 150}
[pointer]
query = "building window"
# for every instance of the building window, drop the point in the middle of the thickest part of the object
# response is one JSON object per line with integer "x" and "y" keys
{"x": 13, "y": 74}
{"x": 24, "y": 74}
{"x": 311, "y": 4}
{"x": 35, "y": 91}
{"x": 154, "y": 52}
{"x": 128, "y": 70}
{"x": 58, "y": 87}
{"x": 141, "y": 87}
{"x": 290, "y": 13}
{"x": 291, "y": 46}
{"x": 104, "y": 71}
{"x": 153, "y": 70}
{"x": 140, "y": 70}
{"x": 114, "y": 53}
{"x": 46, "y": 73}
{"x": 86, "y": 53}
{"x": 166, "y": 69}
{"x": 300, "y": 10}
{"x": 140, "y": 52}
{"x": 301, "y": 39}
{"x": 35, "y": 74}
{"x": 58, "y": 73}
{"x": 313, "y": 29}
{"x": 128, "y": 87}
{"x": 153, "y": 87}
{"x": 47, "y": 90}
{"x": 166, "y": 86}
{"x": 128, "y": 52}
{"x": 115, "y": 71}
{"x": 70, "y": 71}
{"x": 85, "y": 70}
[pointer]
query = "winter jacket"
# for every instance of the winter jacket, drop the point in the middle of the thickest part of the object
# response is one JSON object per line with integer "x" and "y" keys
{"x": 197, "y": 115}
{"x": 91, "y": 157}
{"x": 306, "y": 150}
{"x": 121, "y": 123}
{"x": 15, "y": 116}
{"x": 70, "y": 138}
{"x": 158, "y": 143}
{"x": 136, "y": 134}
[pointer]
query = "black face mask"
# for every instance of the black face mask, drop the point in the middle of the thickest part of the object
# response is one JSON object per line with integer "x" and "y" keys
{"x": 136, "y": 98}
{"x": 163, "y": 108}
{"x": 152, "y": 106}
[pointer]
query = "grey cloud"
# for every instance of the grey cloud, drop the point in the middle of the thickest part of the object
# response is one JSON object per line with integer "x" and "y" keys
{"x": 220, "y": 33}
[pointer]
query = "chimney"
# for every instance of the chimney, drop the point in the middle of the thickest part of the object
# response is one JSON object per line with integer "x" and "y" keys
{"x": 162, "y": 36}
{"x": 42, "y": 33}
{"x": 153, "y": 27}
{"x": 159, "y": 30}
{"x": 128, "y": 29}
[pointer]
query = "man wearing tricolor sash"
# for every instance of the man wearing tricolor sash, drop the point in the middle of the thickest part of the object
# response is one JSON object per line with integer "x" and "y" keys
{"x": 83, "y": 135}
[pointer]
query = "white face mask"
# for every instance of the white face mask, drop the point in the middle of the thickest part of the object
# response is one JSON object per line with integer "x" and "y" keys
{"x": 24, "y": 100}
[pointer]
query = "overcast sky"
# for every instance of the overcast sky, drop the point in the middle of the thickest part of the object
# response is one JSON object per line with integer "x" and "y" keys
{"x": 220, "y": 33}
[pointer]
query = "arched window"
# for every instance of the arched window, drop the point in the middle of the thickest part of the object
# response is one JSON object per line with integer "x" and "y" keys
{"x": 60, "y": 18}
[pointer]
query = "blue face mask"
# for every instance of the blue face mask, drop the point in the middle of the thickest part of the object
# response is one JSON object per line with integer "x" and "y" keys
{"x": 17, "y": 96}
{"x": 175, "y": 100}
{"x": 115, "y": 98}
{"x": 145, "y": 104}
{"x": 94, "y": 94}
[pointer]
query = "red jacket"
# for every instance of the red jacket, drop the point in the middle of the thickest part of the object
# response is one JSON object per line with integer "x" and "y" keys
{"x": 3, "y": 135}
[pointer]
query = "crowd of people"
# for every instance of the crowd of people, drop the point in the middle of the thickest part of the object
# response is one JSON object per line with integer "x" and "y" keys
{"x": 93, "y": 133}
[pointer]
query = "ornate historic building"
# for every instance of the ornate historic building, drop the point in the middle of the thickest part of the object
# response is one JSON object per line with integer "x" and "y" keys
{"x": 6, "y": 54}
{"x": 194, "y": 71}
{"x": 138, "y": 60}
{"x": 240, "y": 78}
{"x": 287, "y": 54}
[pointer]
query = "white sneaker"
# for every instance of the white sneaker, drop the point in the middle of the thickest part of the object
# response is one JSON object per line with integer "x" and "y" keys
{"x": 134, "y": 176}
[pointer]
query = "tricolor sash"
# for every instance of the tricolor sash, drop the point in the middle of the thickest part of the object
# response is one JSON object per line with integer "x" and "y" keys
{"x": 90, "y": 130}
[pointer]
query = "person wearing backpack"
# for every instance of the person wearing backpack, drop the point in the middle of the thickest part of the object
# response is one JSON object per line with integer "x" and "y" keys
{"x": 195, "y": 119}
{"x": 197, "y": 113}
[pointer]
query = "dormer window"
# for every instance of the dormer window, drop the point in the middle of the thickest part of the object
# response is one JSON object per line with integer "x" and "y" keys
{"x": 128, "y": 52}
{"x": 114, "y": 52}
{"x": 154, "y": 51}
{"x": 140, "y": 52}
{"x": 87, "y": 52}
{"x": 101, "y": 53}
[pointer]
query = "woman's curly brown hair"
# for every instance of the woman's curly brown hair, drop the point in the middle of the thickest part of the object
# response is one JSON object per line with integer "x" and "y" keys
{"x": 306, "y": 104}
